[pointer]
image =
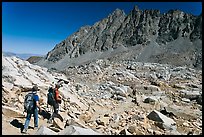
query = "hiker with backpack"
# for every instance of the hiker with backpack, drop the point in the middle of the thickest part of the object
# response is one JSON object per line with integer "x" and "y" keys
{"x": 54, "y": 99}
{"x": 31, "y": 105}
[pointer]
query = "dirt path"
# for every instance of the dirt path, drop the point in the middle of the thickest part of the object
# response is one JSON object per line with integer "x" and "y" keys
{"x": 14, "y": 125}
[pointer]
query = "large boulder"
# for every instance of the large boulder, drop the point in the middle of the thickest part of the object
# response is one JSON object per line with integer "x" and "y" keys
{"x": 163, "y": 121}
{"x": 58, "y": 123}
{"x": 75, "y": 130}
{"x": 12, "y": 112}
{"x": 45, "y": 131}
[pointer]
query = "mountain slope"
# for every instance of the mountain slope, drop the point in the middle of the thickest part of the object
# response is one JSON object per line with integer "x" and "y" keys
{"x": 173, "y": 38}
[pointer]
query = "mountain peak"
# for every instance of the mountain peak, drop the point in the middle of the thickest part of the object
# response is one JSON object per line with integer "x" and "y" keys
{"x": 118, "y": 12}
{"x": 136, "y": 8}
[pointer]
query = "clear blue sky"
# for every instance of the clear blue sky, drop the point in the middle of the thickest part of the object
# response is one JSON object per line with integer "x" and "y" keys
{"x": 36, "y": 27}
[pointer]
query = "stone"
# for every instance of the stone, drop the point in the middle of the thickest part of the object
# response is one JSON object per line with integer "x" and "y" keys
{"x": 186, "y": 100}
{"x": 58, "y": 123}
{"x": 151, "y": 131}
{"x": 138, "y": 132}
{"x": 132, "y": 129}
{"x": 121, "y": 91}
{"x": 75, "y": 122}
{"x": 163, "y": 121}
{"x": 139, "y": 117}
{"x": 75, "y": 130}
{"x": 186, "y": 124}
{"x": 102, "y": 120}
{"x": 172, "y": 132}
{"x": 152, "y": 88}
{"x": 45, "y": 131}
{"x": 114, "y": 125}
{"x": 199, "y": 100}
{"x": 156, "y": 132}
{"x": 85, "y": 116}
{"x": 69, "y": 130}
{"x": 115, "y": 117}
{"x": 11, "y": 112}
{"x": 150, "y": 100}
{"x": 124, "y": 132}
{"x": 190, "y": 94}
{"x": 179, "y": 86}
{"x": 20, "y": 98}
{"x": 54, "y": 129}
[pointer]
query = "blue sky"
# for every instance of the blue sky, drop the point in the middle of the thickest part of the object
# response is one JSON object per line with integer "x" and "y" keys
{"x": 36, "y": 27}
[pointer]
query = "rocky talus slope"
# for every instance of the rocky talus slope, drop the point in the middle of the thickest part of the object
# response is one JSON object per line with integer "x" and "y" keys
{"x": 172, "y": 38}
{"x": 106, "y": 97}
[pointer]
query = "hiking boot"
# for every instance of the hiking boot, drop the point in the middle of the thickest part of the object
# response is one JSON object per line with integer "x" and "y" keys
{"x": 24, "y": 131}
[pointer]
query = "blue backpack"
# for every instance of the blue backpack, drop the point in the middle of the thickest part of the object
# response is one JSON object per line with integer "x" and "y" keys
{"x": 29, "y": 103}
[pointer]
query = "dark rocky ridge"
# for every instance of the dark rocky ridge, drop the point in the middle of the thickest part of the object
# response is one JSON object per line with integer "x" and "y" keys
{"x": 172, "y": 38}
{"x": 34, "y": 59}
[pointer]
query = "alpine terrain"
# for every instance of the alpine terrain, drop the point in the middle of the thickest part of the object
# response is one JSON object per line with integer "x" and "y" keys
{"x": 135, "y": 74}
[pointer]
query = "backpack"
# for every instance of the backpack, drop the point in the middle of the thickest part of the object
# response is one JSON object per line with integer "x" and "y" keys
{"x": 29, "y": 103}
{"x": 51, "y": 96}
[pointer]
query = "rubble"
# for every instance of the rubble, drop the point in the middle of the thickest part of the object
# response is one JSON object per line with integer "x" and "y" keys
{"x": 129, "y": 103}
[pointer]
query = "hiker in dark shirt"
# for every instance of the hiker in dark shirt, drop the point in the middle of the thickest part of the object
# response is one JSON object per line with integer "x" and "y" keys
{"x": 57, "y": 101}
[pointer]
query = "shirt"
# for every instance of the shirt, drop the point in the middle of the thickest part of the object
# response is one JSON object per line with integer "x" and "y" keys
{"x": 36, "y": 98}
{"x": 57, "y": 93}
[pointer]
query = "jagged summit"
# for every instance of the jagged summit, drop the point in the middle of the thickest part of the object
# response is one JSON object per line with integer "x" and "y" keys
{"x": 118, "y": 12}
{"x": 136, "y": 8}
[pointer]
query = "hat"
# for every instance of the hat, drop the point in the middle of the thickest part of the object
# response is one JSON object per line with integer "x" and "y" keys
{"x": 35, "y": 88}
{"x": 58, "y": 85}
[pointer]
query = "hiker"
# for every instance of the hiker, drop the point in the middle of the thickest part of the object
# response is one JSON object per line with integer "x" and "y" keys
{"x": 54, "y": 101}
{"x": 31, "y": 104}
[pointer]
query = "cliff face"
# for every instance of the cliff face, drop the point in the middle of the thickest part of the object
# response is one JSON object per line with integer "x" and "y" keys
{"x": 148, "y": 36}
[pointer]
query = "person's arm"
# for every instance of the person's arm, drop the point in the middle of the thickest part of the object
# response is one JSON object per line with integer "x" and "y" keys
{"x": 38, "y": 105}
{"x": 36, "y": 97}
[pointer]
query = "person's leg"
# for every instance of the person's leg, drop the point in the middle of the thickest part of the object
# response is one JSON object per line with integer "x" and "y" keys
{"x": 28, "y": 117}
{"x": 55, "y": 113}
{"x": 52, "y": 114}
{"x": 56, "y": 108}
{"x": 36, "y": 117}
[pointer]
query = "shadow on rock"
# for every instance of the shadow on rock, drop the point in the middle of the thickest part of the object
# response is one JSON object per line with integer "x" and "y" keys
{"x": 58, "y": 116}
{"x": 18, "y": 124}
{"x": 45, "y": 114}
